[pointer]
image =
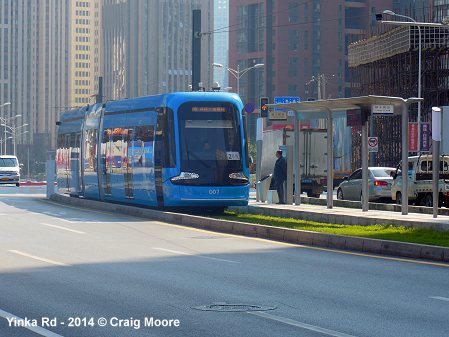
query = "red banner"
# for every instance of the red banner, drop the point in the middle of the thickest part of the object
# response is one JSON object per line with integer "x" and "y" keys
{"x": 412, "y": 137}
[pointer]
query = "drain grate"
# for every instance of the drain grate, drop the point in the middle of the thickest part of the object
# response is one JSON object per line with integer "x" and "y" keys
{"x": 227, "y": 307}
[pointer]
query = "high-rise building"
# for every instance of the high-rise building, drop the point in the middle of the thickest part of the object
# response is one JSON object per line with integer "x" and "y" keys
{"x": 221, "y": 41}
{"x": 34, "y": 46}
{"x": 86, "y": 51}
{"x": 303, "y": 45}
{"x": 50, "y": 60}
{"x": 148, "y": 46}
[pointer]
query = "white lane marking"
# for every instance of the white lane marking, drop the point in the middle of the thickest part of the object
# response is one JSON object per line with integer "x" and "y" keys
{"x": 300, "y": 324}
{"x": 77, "y": 220}
{"x": 52, "y": 214}
{"x": 36, "y": 329}
{"x": 201, "y": 256}
{"x": 63, "y": 228}
{"x": 440, "y": 298}
{"x": 38, "y": 258}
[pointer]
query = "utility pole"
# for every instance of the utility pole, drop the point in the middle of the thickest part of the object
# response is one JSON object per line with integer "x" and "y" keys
{"x": 196, "y": 49}
{"x": 321, "y": 81}
{"x": 318, "y": 80}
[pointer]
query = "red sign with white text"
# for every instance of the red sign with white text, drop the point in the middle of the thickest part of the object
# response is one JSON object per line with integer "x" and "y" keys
{"x": 412, "y": 137}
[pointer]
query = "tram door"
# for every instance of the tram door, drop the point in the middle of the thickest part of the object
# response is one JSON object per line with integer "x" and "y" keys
{"x": 107, "y": 152}
{"x": 128, "y": 141}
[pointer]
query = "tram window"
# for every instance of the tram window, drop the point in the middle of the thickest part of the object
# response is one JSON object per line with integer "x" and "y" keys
{"x": 117, "y": 147}
{"x": 128, "y": 136}
{"x": 145, "y": 133}
{"x": 72, "y": 140}
{"x": 76, "y": 150}
{"x": 90, "y": 153}
{"x": 164, "y": 153}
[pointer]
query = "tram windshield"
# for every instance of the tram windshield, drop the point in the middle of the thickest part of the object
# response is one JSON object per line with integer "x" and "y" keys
{"x": 210, "y": 144}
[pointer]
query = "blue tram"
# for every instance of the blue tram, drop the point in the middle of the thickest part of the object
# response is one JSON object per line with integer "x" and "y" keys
{"x": 170, "y": 150}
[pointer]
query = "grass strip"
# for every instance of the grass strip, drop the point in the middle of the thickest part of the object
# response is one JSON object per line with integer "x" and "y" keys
{"x": 384, "y": 232}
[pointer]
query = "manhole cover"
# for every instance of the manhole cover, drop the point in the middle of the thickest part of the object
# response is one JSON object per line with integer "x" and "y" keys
{"x": 227, "y": 307}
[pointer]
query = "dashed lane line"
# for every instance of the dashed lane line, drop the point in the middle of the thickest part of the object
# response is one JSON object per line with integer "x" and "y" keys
{"x": 189, "y": 254}
{"x": 440, "y": 298}
{"x": 301, "y": 325}
{"x": 63, "y": 228}
{"x": 37, "y": 258}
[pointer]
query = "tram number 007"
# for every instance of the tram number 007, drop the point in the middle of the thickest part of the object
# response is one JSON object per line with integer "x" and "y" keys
{"x": 214, "y": 192}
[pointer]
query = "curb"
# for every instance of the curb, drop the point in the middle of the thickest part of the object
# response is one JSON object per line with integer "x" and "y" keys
{"x": 300, "y": 237}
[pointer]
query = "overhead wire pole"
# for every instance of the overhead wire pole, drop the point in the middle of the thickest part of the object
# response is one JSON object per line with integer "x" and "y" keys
{"x": 196, "y": 49}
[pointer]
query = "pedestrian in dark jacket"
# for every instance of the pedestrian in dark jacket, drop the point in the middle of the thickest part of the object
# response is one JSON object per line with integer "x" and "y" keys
{"x": 280, "y": 175}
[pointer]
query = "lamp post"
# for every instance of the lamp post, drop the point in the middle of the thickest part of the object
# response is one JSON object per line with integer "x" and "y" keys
{"x": 13, "y": 130}
{"x": 237, "y": 73}
{"x": 4, "y": 140}
{"x": 4, "y": 120}
{"x": 5, "y": 124}
{"x": 413, "y": 23}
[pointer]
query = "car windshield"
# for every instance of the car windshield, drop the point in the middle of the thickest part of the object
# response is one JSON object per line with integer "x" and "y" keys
{"x": 381, "y": 172}
{"x": 8, "y": 162}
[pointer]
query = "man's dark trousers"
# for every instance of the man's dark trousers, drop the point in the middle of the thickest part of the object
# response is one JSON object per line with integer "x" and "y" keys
{"x": 280, "y": 190}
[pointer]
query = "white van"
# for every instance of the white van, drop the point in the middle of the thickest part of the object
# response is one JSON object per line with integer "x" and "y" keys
{"x": 9, "y": 170}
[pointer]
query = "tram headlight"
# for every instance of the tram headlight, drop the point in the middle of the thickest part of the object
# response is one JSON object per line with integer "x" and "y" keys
{"x": 238, "y": 176}
{"x": 184, "y": 176}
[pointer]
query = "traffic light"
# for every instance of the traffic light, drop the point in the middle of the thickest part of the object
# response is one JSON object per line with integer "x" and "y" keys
{"x": 263, "y": 107}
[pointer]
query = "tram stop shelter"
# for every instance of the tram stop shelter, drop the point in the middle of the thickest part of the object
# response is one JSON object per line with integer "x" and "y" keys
{"x": 367, "y": 106}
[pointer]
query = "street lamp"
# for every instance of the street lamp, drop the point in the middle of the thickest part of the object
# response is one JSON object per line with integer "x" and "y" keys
{"x": 13, "y": 130}
{"x": 238, "y": 73}
{"x": 4, "y": 140}
{"x": 413, "y": 23}
{"x": 3, "y": 120}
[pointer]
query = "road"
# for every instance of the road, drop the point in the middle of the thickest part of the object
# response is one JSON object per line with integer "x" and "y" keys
{"x": 71, "y": 268}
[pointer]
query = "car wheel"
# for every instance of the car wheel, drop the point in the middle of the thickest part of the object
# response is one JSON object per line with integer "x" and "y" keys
{"x": 428, "y": 200}
{"x": 399, "y": 198}
{"x": 340, "y": 194}
{"x": 18, "y": 184}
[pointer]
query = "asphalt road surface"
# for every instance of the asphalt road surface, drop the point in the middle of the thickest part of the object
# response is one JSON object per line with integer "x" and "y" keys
{"x": 74, "y": 272}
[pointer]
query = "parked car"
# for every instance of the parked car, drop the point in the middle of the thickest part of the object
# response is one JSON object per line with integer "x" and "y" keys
{"x": 379, "y": 183}
{"x": 9, "y": 170}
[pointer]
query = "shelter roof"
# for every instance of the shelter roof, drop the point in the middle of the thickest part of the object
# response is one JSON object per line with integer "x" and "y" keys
{"x": 339, "y": 104}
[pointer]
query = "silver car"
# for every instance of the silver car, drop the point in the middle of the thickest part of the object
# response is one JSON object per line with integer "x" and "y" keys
{"x": 379, "y": 183}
